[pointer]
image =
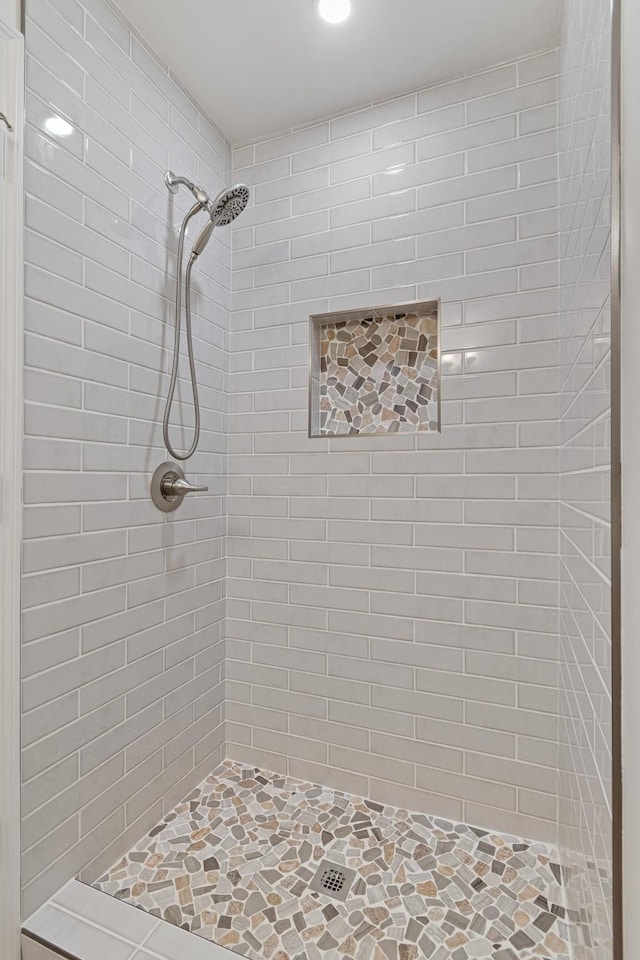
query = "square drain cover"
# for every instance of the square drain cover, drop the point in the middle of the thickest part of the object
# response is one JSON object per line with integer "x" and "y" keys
{"x": 333, "y": 880}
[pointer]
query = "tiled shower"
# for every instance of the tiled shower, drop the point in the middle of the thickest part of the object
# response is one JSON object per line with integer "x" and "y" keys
{"x": 420, "y": 619}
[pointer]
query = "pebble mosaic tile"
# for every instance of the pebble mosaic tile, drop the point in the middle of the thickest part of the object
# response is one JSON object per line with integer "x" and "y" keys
{"x": 235, "y": 863}
{"x": 376, "y": 372}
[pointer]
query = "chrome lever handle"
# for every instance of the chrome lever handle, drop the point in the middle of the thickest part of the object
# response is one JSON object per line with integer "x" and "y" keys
{"x": 169, "y": 487}
{"x": 178, "y": 487}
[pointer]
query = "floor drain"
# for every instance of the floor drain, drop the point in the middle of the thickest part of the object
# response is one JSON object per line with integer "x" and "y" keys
{"x": 333, "y": 880}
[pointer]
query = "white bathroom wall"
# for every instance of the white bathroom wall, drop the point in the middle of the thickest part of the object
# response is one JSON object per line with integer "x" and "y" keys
{"x": 123, "y": 605}
{"x": 585, "y": 497}
{"x": 392, "y": 614}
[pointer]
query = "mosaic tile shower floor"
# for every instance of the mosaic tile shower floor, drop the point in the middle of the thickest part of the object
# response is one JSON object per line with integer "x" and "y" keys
{"x": 233, "y": 863}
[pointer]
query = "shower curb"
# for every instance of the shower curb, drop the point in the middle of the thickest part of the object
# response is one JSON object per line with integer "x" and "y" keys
{"x": 82, "y": 923}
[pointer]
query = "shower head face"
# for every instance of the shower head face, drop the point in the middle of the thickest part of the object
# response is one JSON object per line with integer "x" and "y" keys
{"x": 229, "y": 204}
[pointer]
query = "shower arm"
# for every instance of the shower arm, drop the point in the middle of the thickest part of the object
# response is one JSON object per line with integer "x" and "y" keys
{"x": 172, "y": 182}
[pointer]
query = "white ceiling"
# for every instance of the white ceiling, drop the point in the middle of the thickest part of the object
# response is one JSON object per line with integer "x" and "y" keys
{"x": 262, "y": 66}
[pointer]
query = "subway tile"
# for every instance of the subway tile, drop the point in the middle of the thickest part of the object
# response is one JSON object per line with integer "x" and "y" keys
{"x": 61, "y": 806}
{"x": 370, "y": 625}
{"x": 539, "y": 171}
{"x": 91, "y": 380}
{"x": 100, "y": 748}
{"x": 65, "y": 486}
{"x": 290, "y": 143}
{"x": 330, "y": 241}
{"x": 43, "y": 387}
{"x": 481, "y": 186}
{"x": 466, "y": 137}
{"x": 329, "y": 642}
{"x": 478, "y": 85}
{"x": 434, "y": 268}
{"x": 376, "y": 208}
{"x": 405, "y": 176}
{"x": 385, "y": 792}
{"x": 466, "y": 788}
{"x": 396, "y": 770}
{"x": 393, "y": 251}
{"x": 350, "y": 669}
{"x": 423, "y": 125}
{"x": 461, "y": 239}
{"x": 71, "y": 676}
{"x": 56, "y": 61}
{"x": 511, "y": 202}
{"x": 538, "y": 67}
{"x": 43, "y": 654}
{"x": 416, "y": 558}
{"x": 44, "y": 454}
{"x": 307, "y": 223}
{"x": 324, "y": 199}
{"x": 417, "y": 703}
{"x": 372, "y": 117}
{"x": 468, "y": 688}
{"x": 53, "y": 618}
{"x": 521, "y": 149}
{"x": 332, "y": 688}
{"x": 512, "y": 254}
{"x": 419, "y": 752}
{"x": 521, "y": 98}
{"x": 288, "y": 186}
{"x": 329, "y": 525}
{"x": 290, "y": 701}
{"x": 418, "y": 224}
{"x": 538, "y": 118}
{"x": 331, "y": 153}
{"x": 466, "y": 736}
{"x": 49, "y": 717}
{"x": 65, "y": 357}
{"x": 464, "y": 536}
{"x": 511, "y": 720}
{"x": 60, "y": 745}
{"x": 63, "y": 293}
{"x": 331, "y": 733}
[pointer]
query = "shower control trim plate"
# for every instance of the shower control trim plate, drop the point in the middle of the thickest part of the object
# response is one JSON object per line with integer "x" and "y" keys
{"x": 169, "y": 487}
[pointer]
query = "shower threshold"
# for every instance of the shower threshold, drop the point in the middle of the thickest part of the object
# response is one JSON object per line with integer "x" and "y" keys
{"x": 271, "y": 867}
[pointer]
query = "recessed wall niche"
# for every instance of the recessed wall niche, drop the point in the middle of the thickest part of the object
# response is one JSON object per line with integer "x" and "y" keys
{"x": 375, "y": 371}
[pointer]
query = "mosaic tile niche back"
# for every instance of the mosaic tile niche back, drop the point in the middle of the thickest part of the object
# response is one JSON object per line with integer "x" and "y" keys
{"x": 274, "y": 868}
{"x": 375, "y": 371}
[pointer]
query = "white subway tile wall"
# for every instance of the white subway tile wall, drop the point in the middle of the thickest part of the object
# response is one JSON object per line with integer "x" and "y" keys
{"x": 124, "y": 607}
{"x": 393, "y": 602}
{"x": 585, "y": 501}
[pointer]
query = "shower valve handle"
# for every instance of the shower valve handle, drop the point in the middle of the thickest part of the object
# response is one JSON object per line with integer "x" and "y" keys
{"x": 169, "y": 487}
{"x": 178, "y": 487}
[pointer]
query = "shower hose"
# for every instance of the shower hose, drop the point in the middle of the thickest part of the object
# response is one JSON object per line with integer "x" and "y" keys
{"x": 176, "y": 345}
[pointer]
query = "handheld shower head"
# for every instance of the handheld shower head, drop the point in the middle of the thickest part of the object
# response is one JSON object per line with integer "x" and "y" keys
{"x": 228, "y": 205}
{"x": 202, "y": 239}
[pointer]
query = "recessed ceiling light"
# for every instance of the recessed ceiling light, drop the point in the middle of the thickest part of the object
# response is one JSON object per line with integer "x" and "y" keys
{"x": 334, "y": 11}
{"x": 58, "y": 127}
